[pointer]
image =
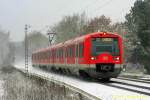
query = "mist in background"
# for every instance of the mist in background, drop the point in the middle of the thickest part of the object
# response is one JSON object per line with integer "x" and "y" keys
{"x": 14, "y": 14}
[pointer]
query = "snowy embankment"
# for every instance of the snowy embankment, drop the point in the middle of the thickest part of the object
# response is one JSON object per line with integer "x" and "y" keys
{"x": 95, "y": 89}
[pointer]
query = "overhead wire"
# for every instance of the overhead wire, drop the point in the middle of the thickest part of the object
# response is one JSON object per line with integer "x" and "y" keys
{"x": 101, "y": 6}
{"x": 88, "y": 5}
{"x": 121, "y": 12}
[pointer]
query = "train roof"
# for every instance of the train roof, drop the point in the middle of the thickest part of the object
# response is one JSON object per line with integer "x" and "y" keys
{"x": 79, "y": 39}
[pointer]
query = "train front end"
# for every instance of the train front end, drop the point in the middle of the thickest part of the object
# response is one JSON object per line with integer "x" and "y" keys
{"x": 105, "y": 55}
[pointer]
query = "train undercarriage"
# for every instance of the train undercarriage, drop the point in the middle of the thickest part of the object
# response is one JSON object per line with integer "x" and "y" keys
{"x": 97, "y": 71}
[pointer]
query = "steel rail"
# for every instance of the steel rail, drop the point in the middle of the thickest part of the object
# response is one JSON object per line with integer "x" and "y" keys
{"x": 135, "y": 80}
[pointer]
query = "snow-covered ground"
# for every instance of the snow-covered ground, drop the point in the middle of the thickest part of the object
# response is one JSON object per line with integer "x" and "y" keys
{"x": 1, "y": 90}
{"x": 96, "y": 89}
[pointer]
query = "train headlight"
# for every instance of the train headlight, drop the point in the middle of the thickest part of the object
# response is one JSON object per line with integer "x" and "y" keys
{"x": 116, "y": 58}
{"x": 93, "y": 58}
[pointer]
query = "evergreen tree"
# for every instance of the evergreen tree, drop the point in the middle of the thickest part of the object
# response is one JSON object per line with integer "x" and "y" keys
{"x": 138, "y": 23}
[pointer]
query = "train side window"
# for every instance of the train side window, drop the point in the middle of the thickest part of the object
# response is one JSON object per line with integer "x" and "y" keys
{"x": 71, "y": 51}
{"x": 55, "y": 54}
{"x": 77, "y": 48}
{"x": 42, "y": 55}
{"x": 68, "y": 52}
{"x": 58, "y": 54}
{"x": 81, "y": 47}
{"x": 34, "y": 56}
{"x": 61, "y": 53}
{"x": 49, "y": 54}
{"x": 65, "y": 51}
{"x": 39, "y": 56}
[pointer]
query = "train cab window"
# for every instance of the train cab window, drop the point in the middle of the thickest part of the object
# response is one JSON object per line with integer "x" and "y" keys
{"x": 81, "y": 50}
{"x": 100, "y": 45}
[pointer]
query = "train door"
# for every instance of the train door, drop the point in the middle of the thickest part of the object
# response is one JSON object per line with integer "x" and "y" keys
{"x": 65, "y": 55}
{"x": 76, "y": 54}
{"x": 81, "y": 53}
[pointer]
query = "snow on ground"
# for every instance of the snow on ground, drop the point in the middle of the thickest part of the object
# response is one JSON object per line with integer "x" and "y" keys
{"x": 1, "y": 89}
{"x": 94, "y": 88}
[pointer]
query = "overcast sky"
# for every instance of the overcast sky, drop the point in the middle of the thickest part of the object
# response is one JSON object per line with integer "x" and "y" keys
{"x": 14, "y": 14}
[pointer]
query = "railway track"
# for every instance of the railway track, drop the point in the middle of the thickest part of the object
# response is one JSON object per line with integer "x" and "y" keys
{"x": 135, "y": 80}
{"x": 142, "y": 88}
{"x": 98, "y": 90}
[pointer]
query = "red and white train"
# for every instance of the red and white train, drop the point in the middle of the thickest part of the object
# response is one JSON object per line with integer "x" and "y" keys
{"x": 98, "y": 55}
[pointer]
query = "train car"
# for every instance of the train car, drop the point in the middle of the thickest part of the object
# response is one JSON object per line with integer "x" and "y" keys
{"x": 98, "y": 55}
